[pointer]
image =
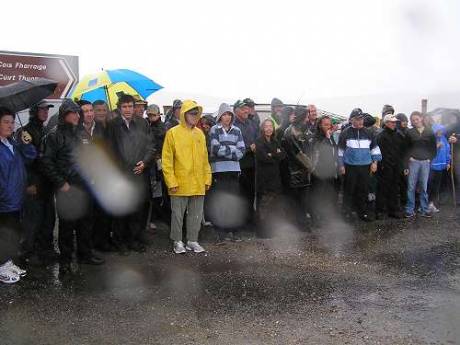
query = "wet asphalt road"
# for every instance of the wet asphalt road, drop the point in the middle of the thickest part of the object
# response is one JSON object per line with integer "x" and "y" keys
{"x": 387, "y": 282}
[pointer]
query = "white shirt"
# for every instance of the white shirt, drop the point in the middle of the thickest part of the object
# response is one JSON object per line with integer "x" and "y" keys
{"x": 8, "y": 144}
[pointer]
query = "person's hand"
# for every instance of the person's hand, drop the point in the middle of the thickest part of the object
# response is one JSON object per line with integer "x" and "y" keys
{"x": 253, "y": 147}
{"x": 342, "y": 170}
{"x": 373, "y": 167}
{"x": 278, "y": 151}
{"x": 453, "y": 139}
{"x": 328, "y": 133}
{"x": 269, "y": 155}
{"x": 448, "y": 167}
{"x": 139, "y": 168}
{"x": 31, "y": 190}
{"x": 439, "y": 145}
{"x": 26, "y": 137}
{"x": 207, "y": 187}
{"x": 406, "y": 172}
{"x": 173, "y": 190}
{"x": 65, "y": 188}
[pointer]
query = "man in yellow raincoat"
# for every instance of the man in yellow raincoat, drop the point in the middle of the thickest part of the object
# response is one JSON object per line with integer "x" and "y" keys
{"x": 188, "y": 176}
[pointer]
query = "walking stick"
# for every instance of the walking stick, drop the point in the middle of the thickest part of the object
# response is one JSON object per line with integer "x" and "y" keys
{"x": 452, "y": 179}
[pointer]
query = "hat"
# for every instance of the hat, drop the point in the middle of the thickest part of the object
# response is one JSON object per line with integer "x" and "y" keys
{"x": 139, "y": 101}
{"x": 153, "y": 109}
{"x": 44, "y": 104}
{"x": 402, "y": 117}
{"x": 249, "y": 102}
{"x": 276, "y": 102}
{"x": 390, "y": 118}
{"x": 387, "y": 109}
{"x": 357, "y": 112}
{"x": 238, "y": 104}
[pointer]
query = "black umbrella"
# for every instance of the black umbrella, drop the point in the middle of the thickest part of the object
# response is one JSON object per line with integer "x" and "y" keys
{"x": 23, "y": 94}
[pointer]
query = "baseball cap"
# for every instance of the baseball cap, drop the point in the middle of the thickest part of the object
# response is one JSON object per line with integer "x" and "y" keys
{"x": 153, "y": 109}
{"x": 357, "y": 112}
{"x": 44, "y": 104}
{"x": 390, "y": 118}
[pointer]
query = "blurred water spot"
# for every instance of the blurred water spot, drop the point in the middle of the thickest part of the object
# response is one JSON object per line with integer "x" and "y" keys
{"x": 226, "y": 210}
{"x": 127, "y": 284}
{"x": 117, "y": 194}
{"x": 73, "y": 204}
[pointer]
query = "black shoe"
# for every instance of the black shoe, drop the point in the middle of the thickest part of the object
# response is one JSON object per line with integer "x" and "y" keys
{"x": 365, "y": 217}
{"x": 396, "y": 215}
{"x": 65, "y": 268}
{"x": 92, "y": 260}
{"x": 137, "y": 247}
{"x": 379, "y": 216}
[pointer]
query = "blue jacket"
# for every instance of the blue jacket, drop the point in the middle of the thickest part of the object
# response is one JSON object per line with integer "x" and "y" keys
{"x": 357, "y": 147}
{"x": 442, "y": 158}
{"x": 13, "y": 177}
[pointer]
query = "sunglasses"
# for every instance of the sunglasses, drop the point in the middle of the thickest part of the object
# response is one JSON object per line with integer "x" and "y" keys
{"x": 193, "y": 112}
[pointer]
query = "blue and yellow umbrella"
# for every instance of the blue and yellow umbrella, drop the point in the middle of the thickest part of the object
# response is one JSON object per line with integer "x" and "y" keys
{"x": 108, "y": 85}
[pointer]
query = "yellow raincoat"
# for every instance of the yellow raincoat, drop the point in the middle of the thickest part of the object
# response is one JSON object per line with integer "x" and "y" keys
{"x": 185, "y": 157}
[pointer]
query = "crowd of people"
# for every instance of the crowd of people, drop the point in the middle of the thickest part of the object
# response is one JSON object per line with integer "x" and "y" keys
{"x": 233, "y": 170}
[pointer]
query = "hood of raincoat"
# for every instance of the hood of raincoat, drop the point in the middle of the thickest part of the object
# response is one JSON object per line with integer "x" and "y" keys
{"x": 67, "y": 106}
{"x": 437, "y": 128}
{"x": 188, "y": 105}
{"x": 225, "y": 108}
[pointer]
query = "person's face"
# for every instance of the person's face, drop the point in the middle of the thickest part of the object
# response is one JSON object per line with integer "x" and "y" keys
{"x": 391, "y": 125}
{"x": 326, "y": 125}
{"x": 191, "y": 117}
{"x": 357, "y": 122}
{"x": 127, "y": 110}
{"x": 88, "y": 113}
{"x": 404, "y": 124}
{"x": 42, "y": 114}
{"x": 6, "y": 126}
{"x": 226, "y": 119}
{"x": 416, "y": 121}
{"x": 206, "y": 127}
{"x": 153, "y": 117}
{"x": 72, "y": 118}
{"x": 312, "y": 114}
{"x": 278, "y": 109}
{"x": 427, "y": 121}
{"x": 177, "y": 113}
{"x": 242, "y": 112}
{"x": 100, "y": 113}
{"x": 139, "y": 110}
{"x": 268, "y": 128}
{"x": 291, "y": 118}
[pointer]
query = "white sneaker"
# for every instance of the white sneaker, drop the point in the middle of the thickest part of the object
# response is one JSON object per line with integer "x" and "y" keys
{"x": 433, "y": 208}
{"x": 195, "y": 246}
{"x": 179, "y": 247}
{"x": 8, "y": 277}
{"x": 10, "y": 266}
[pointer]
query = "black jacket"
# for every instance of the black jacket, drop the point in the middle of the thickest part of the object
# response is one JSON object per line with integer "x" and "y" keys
{"x": 393, "y": 148}
{"x": 158, "y": 131}
{"x": 131, "y": 145}
{"x": 421, "y": 146}
{"x": 37, "y": 131}
{"x": 324, "y": 157}
{"x": 59, "y": 160}
{"x": 98, "y": 134}
{"x": 296, "y": 141}
{"x": 268, "y": 165}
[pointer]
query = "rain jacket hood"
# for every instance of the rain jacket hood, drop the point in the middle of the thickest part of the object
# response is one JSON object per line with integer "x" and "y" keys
{"x": 225, "y": 108}
{"x": 67, "y": 106}
{"x": 188, "y": 105}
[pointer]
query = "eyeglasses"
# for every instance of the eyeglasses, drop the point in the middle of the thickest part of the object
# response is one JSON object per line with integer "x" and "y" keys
{"x": 193, "y": 112}
{"x": 153, "y": 114}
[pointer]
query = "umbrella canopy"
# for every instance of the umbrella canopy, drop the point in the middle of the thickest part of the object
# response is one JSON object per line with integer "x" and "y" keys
{"x": 23, "y": 94}
{"x": 107, "y": 85}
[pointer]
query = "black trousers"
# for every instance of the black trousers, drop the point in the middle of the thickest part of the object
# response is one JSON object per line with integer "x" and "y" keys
{"x": 247, "y": 182}
{"x": 356, "y": 188}
{"x": 299, "y": 206}
{"x": 81, "y": 223}
{"x": 224, "y": 219}
{"x": 38, "y": 219}
{"x": 388, "y": 189}
{"x": 403, "y": 188}
{"x": 10, "y": 234}
{"x": 434, "y": 185}
{"x": 102, "y": 227}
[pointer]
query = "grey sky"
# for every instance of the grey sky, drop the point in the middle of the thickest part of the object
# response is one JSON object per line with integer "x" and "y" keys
{"x": 335, "y": 53}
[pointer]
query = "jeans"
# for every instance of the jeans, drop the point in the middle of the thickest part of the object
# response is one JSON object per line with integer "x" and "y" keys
{"x": 419, "y": 171}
